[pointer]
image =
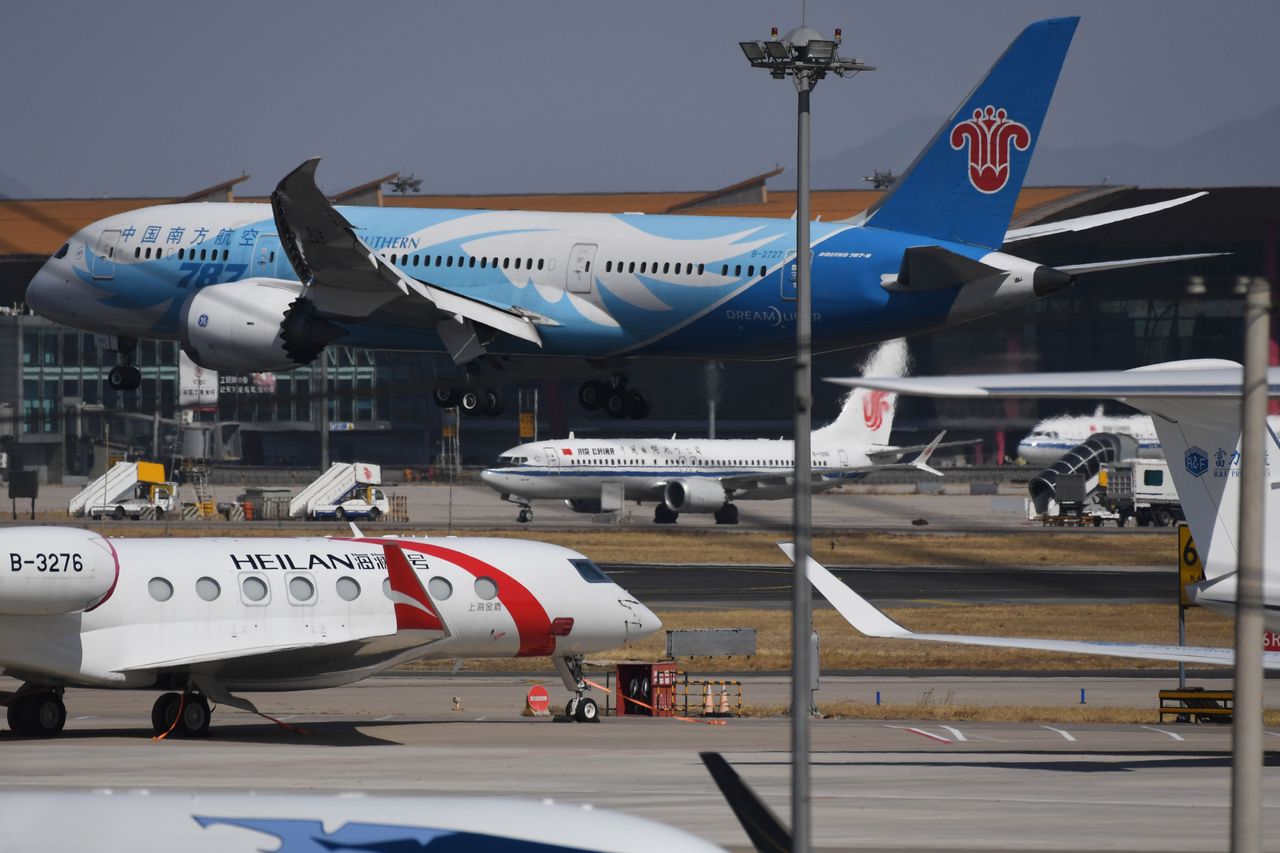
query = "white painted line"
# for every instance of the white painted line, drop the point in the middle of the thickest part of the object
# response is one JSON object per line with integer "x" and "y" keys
{"x": 481, "y": 719}
{"x": 1268, "y": 732}
{"x": 956, "y": 733}
{"x": 1065, "y": 735}
{"x": 922, "y": 733}
{"x": 383, "y": 718}
{"x": 88, "y": 717}
{"x": 1173, "y": 735}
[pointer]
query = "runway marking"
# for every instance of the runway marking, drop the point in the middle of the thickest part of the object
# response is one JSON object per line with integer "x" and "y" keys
{"x": 1173, "y": 735}
{"x": 88, "y": 717}
{"x": 956, "y": 733}
{"x": 383, "y": 718}
{"x": 481, "y": 719}
{"x": 922, "y": 733}
{"x": 1268, "y": 732}
{"x": 1065, "y": 735}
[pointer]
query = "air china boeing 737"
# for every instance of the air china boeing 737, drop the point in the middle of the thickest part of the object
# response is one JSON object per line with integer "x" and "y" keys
{"x": 707, "y": 475}
{"x": 252, "y": 287}
{"x": 195, "y": 619}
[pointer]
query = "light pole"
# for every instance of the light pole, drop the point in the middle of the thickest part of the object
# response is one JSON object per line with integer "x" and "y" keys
{"x": 806, "y": 57}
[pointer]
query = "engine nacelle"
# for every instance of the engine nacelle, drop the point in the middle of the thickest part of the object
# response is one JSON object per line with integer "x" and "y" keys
{"x": 693, "y": 495}
{"x": 253, "y": 326}
{"x": 584, "y": 505}
{"x": 47, "y": 570}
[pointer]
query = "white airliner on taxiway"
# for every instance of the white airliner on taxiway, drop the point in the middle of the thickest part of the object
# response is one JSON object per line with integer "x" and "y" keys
{"x": 200, "y": 618}
{"x": 707, "y": 475}
{"x": 1195, "y": 406}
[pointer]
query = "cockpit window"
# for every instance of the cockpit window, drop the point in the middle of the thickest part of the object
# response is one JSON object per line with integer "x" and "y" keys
{"x": 62, "y": 253}
{"x": 512, "y": 460}
{"x": 590, "y": 571}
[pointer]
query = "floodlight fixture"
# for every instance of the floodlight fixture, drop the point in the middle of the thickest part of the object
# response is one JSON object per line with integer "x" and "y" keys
{"x": 778, "y": 51}
{"x": 753, "y": 51}
{"x": 820, "y": 50}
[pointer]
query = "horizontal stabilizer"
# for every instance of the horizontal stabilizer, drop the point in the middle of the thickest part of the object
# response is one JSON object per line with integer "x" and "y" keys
{"x": 868, "y": 620}
{"x": 935, "y": 268}
{"x": 1084, "y": 223}
{"x": 1103, "y": 266}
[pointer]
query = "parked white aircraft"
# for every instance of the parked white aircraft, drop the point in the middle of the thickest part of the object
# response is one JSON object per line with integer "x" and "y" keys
{"x": 1195, "y": 407}
{"x": 128, "y": 821}
{"x": 201, "y": 618}
{"x": 707, "y": 475}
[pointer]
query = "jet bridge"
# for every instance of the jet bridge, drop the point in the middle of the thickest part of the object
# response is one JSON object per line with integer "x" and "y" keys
{"x": 1085, "y": 460}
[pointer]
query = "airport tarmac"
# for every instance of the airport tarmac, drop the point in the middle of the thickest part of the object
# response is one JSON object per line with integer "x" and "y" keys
{"x": 878, "y": 785}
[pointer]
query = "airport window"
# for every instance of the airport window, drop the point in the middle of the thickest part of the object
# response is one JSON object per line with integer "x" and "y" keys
{"x": 348, "y": 589}
{"x": 486, "y": 589}
{"x": 590, "y": 571}
{"x": 208, "y": 589}
{"x": 439, "y": 588}
{"x": 254, "y": 589}
{"x": 539, "y": 263}
{"x": 160, "y": 589}
{"x": 301, "y": 589}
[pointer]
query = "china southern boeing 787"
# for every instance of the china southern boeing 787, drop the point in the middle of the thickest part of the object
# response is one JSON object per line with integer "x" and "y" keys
{"x": 252, "y": 287}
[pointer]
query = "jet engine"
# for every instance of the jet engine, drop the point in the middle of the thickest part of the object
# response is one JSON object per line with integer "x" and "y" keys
{"x": 583, "y": 505}
{"x": 51, "y": 570}
{"x": 693, "y": 495}
{"x": 251, "y": 326}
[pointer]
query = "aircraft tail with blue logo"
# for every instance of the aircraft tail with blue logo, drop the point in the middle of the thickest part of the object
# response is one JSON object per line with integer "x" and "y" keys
{"x": 962, "y": 187}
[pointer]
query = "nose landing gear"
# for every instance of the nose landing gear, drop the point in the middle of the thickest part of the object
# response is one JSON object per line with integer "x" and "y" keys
{"x": 580, "y": 708}
{"x": 124, "y": 376}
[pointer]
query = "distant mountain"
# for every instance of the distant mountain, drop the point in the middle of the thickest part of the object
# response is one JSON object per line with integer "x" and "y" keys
{"x": 1239, "y": 153}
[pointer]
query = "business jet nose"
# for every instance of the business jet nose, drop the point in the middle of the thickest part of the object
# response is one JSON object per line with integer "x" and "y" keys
{"x": 641, "y": 621}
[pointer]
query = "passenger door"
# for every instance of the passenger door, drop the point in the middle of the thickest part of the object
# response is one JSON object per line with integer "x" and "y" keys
{"x": 578, "y": 273}
{"x": 104, "y": 254}
{"x": 268, "y": 258}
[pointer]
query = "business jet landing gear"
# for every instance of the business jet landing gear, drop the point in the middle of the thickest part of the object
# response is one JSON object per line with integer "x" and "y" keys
{"x": 525, "y": 515}
{"x": 181, "y": 714}
{"x": 39, "y": 713}
{"x": 662, "y": 514}
{"x": 727, "y": 514}
{"x": 124, "y": 376}
{"x": 580, "y": 708}
{"x": 614, "y": 397}
{"x": 471, "y": 400}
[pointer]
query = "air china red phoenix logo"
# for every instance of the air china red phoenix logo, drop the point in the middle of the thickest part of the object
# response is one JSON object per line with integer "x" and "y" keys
{"x": 874, "y": 407}
{"x": 991, "y": 136}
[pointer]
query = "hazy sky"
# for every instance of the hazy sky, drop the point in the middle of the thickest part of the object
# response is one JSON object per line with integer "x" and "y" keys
{"x": 161, "y": 98}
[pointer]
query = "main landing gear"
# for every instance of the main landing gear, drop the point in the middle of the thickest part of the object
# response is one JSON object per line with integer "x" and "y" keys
{"x": 662, "y": 514}
{"x": 471, "y": 400}
{"x": 124, "y": 376}
{"x": 181, "y": 714}
{"x": 38, "y": 713}
{"x": 614, "y": 398}
{"x": 727, "y": 514}
{"x": 580, "y": 708}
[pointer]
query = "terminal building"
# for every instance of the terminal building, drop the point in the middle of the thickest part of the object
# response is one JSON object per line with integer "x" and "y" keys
{"x": 58, "y": 414}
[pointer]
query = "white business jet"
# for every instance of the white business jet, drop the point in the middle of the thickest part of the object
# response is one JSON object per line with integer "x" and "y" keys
{"x": 708, "y": 475}
{"x": 1195, "y": 406}
{"x": 200, "y": 618}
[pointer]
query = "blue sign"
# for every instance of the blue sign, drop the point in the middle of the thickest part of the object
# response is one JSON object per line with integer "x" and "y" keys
{"x": 1197, "y": 461}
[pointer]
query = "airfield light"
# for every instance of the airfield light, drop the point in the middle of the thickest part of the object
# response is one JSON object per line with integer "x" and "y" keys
{"x": 806, "y": 57}
{"x": 753, "y": 50}
{"x": 773, "y": 33}
{"x": 838, "y": 35}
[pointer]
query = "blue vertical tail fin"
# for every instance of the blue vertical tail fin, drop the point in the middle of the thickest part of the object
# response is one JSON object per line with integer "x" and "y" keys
{"x": 962, "y": 187}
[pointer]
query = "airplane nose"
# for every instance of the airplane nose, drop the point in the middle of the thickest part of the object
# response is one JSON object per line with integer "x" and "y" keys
{"x": 47, "y": 294}
{"x": 649, "y": 625}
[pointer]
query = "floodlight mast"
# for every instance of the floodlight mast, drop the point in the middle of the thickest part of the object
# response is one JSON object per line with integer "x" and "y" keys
{"x": 806, "y": 57}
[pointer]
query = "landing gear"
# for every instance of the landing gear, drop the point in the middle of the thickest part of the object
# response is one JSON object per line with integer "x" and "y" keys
{"x": 727, "y": 514}
{"x": 662, "y": 514}
{"x": 580, "y": 707}
{"x": 525, "y": 515}
{"x": 471, "y": 400}
{"x": 37, "y": 714}
{"x": 182, "y": 714}
{"x": 614, "y": 397}
{"x": 124, "y": 376}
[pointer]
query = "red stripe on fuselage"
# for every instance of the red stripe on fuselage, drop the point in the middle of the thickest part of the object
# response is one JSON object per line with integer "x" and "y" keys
{"x": 532, "y": 622}
{"x": 404, "y": 580}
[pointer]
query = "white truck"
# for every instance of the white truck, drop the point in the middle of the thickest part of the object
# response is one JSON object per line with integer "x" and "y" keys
{"x": 128, "y": 490}
{"x": 1141, "y": 489}
{"x": 347, "y": 490}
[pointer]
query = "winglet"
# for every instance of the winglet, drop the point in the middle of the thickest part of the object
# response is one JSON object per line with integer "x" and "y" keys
{"x": 355, "y": 531}
{"x": 922, "y": 461}
{"x": 859, "y": 612}
{"x": 414, "y": 610}
{"x": 762, "y": 826}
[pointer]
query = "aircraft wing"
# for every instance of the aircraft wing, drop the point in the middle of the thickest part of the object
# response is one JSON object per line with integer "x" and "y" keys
{"x": 868, "y": 620}
{"x": 347, "y": 279}
{"x": 826, "y": 478}
{"x": 1084, "y": 223}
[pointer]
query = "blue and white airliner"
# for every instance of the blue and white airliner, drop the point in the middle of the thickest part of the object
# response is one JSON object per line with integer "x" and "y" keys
{"x": 703, "y": 475}
{"x": 256, "y": 287}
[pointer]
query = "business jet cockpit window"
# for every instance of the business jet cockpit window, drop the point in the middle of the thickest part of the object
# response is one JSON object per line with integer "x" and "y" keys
{"x": 590, "y": 571}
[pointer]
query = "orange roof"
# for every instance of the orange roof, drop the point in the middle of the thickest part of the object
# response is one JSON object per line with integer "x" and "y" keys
{"x": 39, "y": 227}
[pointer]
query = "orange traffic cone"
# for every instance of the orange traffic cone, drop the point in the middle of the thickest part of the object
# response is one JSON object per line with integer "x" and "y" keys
{"x": 708, "y": 704}
{"x": 724, "y": 701}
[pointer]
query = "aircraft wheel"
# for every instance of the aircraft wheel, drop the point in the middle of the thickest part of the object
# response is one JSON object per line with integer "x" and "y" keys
{"x": 492, "y": 402}
{"x": 587, "y": 711}
{"x": 663, "y": 515}
{"x": 469, "y": 401}
{"x": 571, "y": 708}
{"x": 195, "y": 716}
{"x": 163, "y": 712}
{"x": 445, "y": 396}
{"x": 44, "y": 715}
{"x": 727, "y": 514}
{"x": 616, "y": 403}
{"x": 591, "y": 394}
{"x": 637, "y": 406}
{"x": 525, "y": 516}
{"x": 118, "y": 513}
